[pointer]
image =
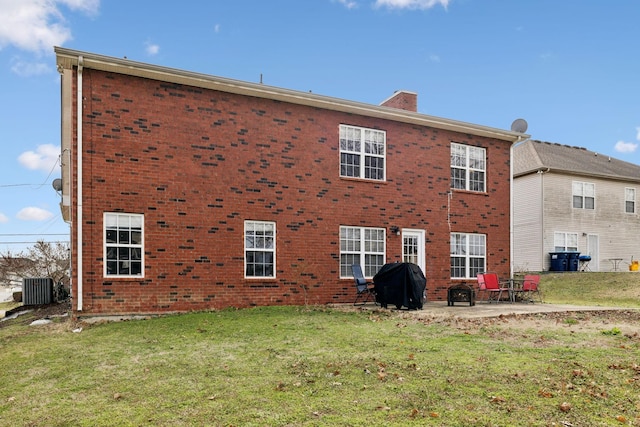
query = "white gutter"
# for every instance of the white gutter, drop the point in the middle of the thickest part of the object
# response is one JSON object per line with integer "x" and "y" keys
{"x": 67, "y": 58}
{"x": 79, "y": 220}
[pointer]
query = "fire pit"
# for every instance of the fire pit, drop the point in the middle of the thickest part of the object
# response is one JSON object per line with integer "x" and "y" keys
{"x": 461, "y": 293}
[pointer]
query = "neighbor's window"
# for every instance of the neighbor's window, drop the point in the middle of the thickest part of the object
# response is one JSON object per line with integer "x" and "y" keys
{"x": 364, "y": 246}
{"x": 362, "y": 152}
{"x": 468, "y": 167}
{"x": 584, "y": 195}
{"x": 630, "y": 200}
{"x": 468, "y": 255}
{"x": 259, "y": 249}
{"x": 123, "y": 245}
{"x": 565, "y": 242}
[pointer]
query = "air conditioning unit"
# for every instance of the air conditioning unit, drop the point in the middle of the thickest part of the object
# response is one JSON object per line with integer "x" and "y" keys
{"x": 37, "y": 291}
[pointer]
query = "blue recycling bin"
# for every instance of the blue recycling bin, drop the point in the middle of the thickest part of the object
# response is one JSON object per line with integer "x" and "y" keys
{"x": 559, "y": 261}
{"x": 573, "y": 261}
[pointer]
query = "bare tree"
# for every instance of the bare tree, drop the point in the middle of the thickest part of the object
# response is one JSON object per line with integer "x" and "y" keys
{"x": 44, "y": 259}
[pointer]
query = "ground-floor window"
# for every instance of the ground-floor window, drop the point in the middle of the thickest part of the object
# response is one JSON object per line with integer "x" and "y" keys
{"x": 259, "y": 249}
{"x": 364, "y": 246}
{"x": 123, "y": 245}
{"x": 468, "y": 255}
{"x": 565, "y": 242}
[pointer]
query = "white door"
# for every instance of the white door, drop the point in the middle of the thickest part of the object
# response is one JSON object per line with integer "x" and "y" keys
{"x": 592, "y": 250}
{"x": 413, "y": 248}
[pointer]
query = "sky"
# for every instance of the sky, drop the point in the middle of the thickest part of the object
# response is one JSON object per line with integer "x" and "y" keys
{"x": 570, "y": 68}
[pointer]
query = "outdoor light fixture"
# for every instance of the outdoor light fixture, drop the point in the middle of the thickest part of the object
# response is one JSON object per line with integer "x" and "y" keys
{"x": 395, "y": 230}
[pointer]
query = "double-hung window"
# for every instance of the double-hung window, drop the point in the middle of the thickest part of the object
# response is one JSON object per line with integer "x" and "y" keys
{"x": 630, "y": 200}
{"x": 565, "y": 242}
{"x": 123, "y": 245}
{"x": 364, "y": 246}
{"x": 362, "y": 153}
{"x": 259, "y": 249}
{"x": 468, "y": 167}
{"x": 584, "y": 195}
{"x": 467, "y": 255}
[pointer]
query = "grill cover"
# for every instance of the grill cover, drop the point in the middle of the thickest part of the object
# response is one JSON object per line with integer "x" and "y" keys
{"x": 401, "y": 284}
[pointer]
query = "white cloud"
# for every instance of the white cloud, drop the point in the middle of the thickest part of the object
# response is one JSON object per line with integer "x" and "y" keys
{"x": 3, "y": 218}
{"x": 625, "y": 147}
{"x": 411, "y": 4}
{"x": 152, "y": 49}
{"x": 34, "y": 214}
{"x": 638, "y": 134}
{"x": 216, "y": 29}
{"x": 44, "y": 158}
{"x": 349, "y": 4}
{"x": 38, "y": 25}
{"x": 27, "y": 69}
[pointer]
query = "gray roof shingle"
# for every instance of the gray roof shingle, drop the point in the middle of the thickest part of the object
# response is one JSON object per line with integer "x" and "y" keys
{"x": 531, "y": 156}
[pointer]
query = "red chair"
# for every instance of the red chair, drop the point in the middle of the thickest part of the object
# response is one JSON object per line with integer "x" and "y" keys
{"x": 490, "y": 285}
{"x": 530, "y": 286}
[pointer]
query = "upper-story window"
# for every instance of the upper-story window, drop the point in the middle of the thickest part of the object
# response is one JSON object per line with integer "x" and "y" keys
{"x": 584, "y": 195}
{"x": 362, "y": 153}
{"x": 630, "y": 200}
{"x": 123, "y": 245}
{"x": 468, "y": 167}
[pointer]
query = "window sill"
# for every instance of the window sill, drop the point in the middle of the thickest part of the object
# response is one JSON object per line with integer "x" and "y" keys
{"x": 368, "y": 181}
{"x": 477, "y": 193}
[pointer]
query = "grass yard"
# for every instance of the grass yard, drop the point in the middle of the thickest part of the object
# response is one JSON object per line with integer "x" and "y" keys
{"x": 316, "y": 366}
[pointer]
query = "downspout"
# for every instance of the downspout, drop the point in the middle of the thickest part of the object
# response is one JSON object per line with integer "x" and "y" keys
{"x": 511, "y": 221}
{"x": 542, "y": 224}
{"x": 79, "y": 219}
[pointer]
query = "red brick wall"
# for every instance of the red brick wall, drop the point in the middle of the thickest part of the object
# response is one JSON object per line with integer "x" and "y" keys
{"x": 198, "y": 163}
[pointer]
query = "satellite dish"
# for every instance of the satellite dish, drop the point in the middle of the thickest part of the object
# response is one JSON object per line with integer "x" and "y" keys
{"x": 519, "y": 125}
{"x": 57, "y": 184}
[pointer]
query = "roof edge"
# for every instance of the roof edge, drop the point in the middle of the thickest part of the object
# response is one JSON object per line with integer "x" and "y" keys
{"x": 69, "y": 58}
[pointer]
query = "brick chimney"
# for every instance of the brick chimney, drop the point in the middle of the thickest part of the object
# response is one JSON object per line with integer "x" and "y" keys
{"x": 403, "y": 100}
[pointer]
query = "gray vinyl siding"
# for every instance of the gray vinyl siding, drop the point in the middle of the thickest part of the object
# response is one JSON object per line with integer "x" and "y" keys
{"x": 618, "y": 232}
{"x": 527, "y": 222}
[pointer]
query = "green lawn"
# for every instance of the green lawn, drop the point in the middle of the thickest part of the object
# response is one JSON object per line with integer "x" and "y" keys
{"x": 315, "y": 366}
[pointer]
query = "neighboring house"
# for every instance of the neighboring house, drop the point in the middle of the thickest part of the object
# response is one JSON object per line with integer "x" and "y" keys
{"x": 186, "y": 191}
{"x": 13, "y": 269}
{"x": 572, "y": 199}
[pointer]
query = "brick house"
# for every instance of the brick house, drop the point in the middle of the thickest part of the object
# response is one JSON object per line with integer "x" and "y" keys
{"x": 186, "y": 191}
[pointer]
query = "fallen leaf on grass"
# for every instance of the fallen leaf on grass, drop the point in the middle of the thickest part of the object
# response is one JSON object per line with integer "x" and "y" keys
{"x": 544, "y": 393}
{"x": 565, "y": 407}
{"x": 498, "y": 399}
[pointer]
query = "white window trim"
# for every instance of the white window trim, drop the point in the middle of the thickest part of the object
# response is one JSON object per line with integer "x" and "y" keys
{"x": 362, "y": 252}
{"x": 633, "y": 190}
{"x": 104, "y": 245}
{"x": 561, "y": 239}
{"x": 468, "y": 169}
{"x": 362, "y": 152}
{"x": 583, "y": 195}
{"x": 273, "y": 250}
{"x": 467, "y": 256}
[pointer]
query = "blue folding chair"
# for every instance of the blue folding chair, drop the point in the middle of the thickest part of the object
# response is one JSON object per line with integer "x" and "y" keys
{"x": 364, "y": 288}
